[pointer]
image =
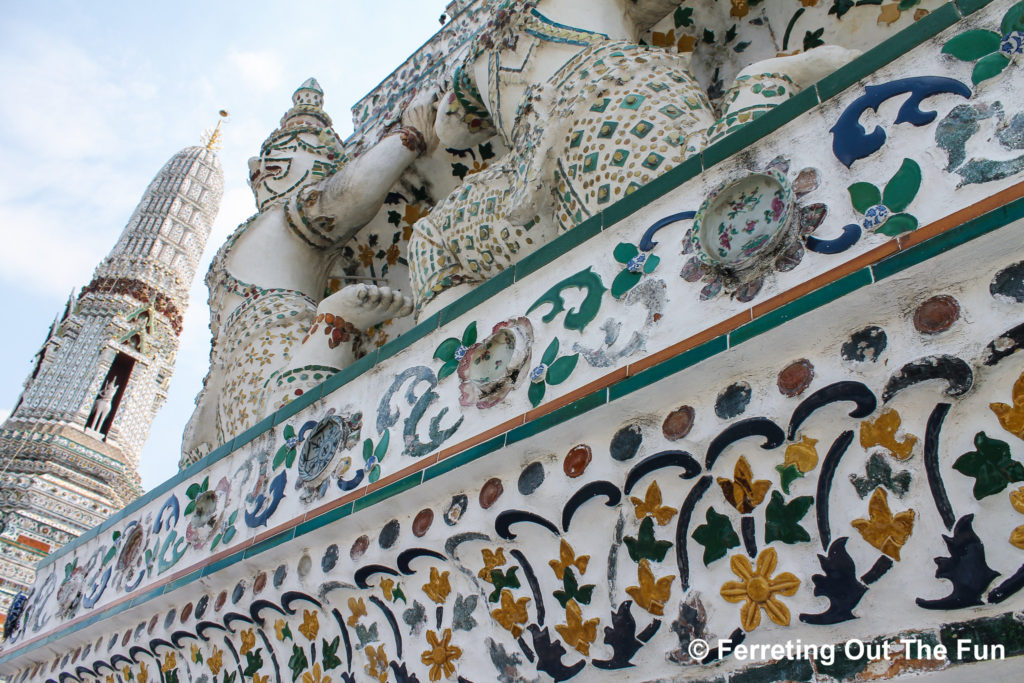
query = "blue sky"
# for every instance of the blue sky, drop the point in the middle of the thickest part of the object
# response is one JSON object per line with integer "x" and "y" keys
{"x": 98, "y": 96}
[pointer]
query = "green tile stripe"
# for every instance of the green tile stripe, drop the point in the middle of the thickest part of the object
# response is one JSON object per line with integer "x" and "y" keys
{"x": 392, "y": 489}
{"x": 901, "y": 43}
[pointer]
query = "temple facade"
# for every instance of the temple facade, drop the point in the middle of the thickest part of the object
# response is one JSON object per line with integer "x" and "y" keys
{"x": 70, "y": 448}
{"x": 648, "y": 340}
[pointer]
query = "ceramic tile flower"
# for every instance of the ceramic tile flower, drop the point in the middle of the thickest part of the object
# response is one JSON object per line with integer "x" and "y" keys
{"x": 451, "y": 350}
{"x": 315, "y": 675}
{"x": 742, "y": 491}
{"x": 310, "y": 624}
{"x": 882, "y": 432}
{"x": 552, "y": 370}
{"x": 373, "y": 455}
{"x": 652, "y": 593}
{"x": 489, "y": 369}
{"x": 882, "y": 529}
{"x": 567, "y": 558}
{"x": 637, "y": 264}
{"x": 750, "y": 226}
{"x": 512, "y": 613}
{"x": 651, "y": 506}
{"x": 438, "y": 588}
{"x": 286, "y": 453}
{"x": 170, "y": 662}
{"x": 991, "y": 51}
{"x": 883, "y": 210}
{"x": 492, "y": 560}
{"x": 757, "y": 589}
{"x": 1011, "y": 417}
{"x": 215, "y": 661}
{"x": 441, "y": 655}
{"x": 575, "y": 631}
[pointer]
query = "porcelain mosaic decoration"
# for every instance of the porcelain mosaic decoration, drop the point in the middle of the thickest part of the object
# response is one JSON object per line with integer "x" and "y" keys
{"x": 770, "y": 395}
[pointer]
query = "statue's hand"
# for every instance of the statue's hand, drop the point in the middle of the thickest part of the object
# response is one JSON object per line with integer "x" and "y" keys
{"x": 420, "y": 115}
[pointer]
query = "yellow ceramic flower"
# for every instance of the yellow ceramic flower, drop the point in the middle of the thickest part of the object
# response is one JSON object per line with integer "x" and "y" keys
{"x": 1017, "y": 501}
{"x": 195, "y": 654}
{"x": 170, "y": 661}
{"x": 143, "y": 673}
{"x": 358, "y": 608}
{"x": 567, "y": 558}
{"x": 651, "y": 594}
{"x": 758, "y": 589}
{"x": 511, "y": 613}
{"x": 256, "y": 678}
{"x": 387, "y": 589}
{"x": 215, "y": 661}
{"x": 651, "y": 506}
{"x": 1011, "y": 417}
{"x": 803, "y": 454}
{"x": 492, "y": 560}
{"x": 248, "y": 641}
{"x": 742, "y": 491}
{"x": 378, "y": 665}
{"x": 441, "y": 655}
{"x": 281, "y": 629}
{"x": 315, "y": 675}
{"x": 438, "y": 588}
{"x": 884, "y": 530}
{"x": 310, "y": 624}
{"x": 882, "y": 432}
{"x": 576, "y": 632}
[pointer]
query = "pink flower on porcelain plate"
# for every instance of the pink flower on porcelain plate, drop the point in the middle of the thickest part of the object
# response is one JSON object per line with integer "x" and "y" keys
{"x": 491, "y": 368}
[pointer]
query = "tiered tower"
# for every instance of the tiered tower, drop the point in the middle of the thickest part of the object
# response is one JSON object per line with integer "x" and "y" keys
{"x": 69, "y": 452}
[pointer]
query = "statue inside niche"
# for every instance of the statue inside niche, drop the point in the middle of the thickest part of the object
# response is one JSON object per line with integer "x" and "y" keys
{"x": 103, "y": 404}
{"x": 274, "y": 335}
{"x": 588, "y": 116}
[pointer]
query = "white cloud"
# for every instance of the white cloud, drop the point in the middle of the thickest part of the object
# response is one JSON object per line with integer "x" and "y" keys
{"x": 260, "y": 70}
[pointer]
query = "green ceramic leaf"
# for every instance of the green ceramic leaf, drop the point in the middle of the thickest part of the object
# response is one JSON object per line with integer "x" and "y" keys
{"x": 907, "y": 4}
{"x": 550, "y": 353}
{"x": 717, "y": 536}
{"x": 446, "y": 350}
{"x": 298, "y": 662}
{"x": 651, "y": 263}
{"x": 781, "y": 519}
{"x": 787, "y": 475}
{"x": 645, "y": 546}
{"x": 864, "y": 195}
{"x": 991, "y": 466}
{"x": 625, "y": 251}
{"x": 382, "y": 445}
{"x": 374, "y": 473}
{"x": 229, "y": 533}
{"x": 624, "y": 282}
{"x": 278, "y": 457}
{"x": 367, "y": 449}
{"x": 254, "y": 661}
{"x": 190, "y": 507}
{"x": 989, "y": 67}
{"x": 572, "y": 590}
{"x": 562, "y": 368}
{"x": 288, "y": 431}
{"x": 972, "y": 45}
{"x": 536, "y": 393}
{"x": 683, "y": 16}
{"x": 448, "y": 368}
{"x": 898, "y": 224}
{"x": 580, "y": 317}
{"x": 216, "y": 541}
{"x": 903, "y": 186}
{"x": 290, "y": 457}
{"x": 1013, "y": 20}
{"x": 330, "y": 650}
{"x": 501, "y": 580}
{"x": 469, "y": 335}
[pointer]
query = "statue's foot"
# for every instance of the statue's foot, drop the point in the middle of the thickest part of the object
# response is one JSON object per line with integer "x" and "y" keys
{"x": 807, "y": 67}
{"x": 364, "y": 306}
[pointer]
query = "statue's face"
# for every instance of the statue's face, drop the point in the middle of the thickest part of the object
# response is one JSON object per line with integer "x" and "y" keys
{"x": 288, "y": 162}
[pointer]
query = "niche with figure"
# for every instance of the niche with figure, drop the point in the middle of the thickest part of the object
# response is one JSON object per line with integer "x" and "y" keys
{"x": 107, "y": 401}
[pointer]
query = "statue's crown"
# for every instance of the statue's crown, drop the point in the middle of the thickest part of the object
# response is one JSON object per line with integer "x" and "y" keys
{"x": 307, "y": 107}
